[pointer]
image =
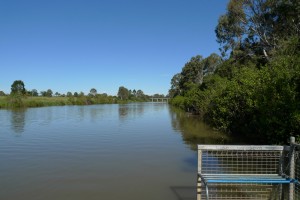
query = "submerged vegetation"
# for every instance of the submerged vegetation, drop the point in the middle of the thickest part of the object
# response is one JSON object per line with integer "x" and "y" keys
{"x": 253, "y": 90}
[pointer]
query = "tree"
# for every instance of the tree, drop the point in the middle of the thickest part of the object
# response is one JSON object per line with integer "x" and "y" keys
{"x": 49, "y": 93}
{"x": 2, "y": 93}
{"x": 254, "y": 27}
{"x": 175, "y": 85}
{"x": 69, "y": 94}
{"x": 140, "y": 94}
{"x": 34, "y": 93}
{"x": 134, "y": 92}
{"x": 211, "y": 63}
{"x": 57, "y": 94}
{"x": 75, "y": 94}
{"x": 43, "y": 93}
{"x": 93, "y": 92}
{"x": 18, "y": 87}
{"x": 123, "y": 93}
{"x": 192, "y": 73}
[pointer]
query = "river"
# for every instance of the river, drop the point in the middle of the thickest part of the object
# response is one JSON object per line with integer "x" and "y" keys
{"x": 141, "y": 151}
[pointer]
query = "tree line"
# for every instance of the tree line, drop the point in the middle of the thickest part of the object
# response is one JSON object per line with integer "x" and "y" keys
{"x": 252, "y": 89}
{"x": 21, "y": 97}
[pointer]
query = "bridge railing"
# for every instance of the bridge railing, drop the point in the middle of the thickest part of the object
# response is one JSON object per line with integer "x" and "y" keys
{"x": 157, "y": 99}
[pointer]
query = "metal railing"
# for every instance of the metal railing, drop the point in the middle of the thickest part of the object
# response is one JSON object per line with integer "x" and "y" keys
{"x": 245, "y": 172}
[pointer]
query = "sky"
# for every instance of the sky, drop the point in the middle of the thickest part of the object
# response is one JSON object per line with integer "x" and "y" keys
{"x": 76, "y": 45}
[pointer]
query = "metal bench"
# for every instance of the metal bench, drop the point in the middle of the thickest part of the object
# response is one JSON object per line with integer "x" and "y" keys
{"x": 234, "y": 166}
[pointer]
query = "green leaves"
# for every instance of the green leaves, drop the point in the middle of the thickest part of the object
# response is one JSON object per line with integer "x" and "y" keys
{"x": 18, "y": 87}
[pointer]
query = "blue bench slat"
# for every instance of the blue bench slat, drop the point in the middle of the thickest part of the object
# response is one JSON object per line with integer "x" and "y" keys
{"x": 220, "y": 178}
{"x": 249, "y": 181}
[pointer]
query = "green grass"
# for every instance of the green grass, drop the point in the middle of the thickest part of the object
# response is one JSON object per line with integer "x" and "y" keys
{"x": 45, "y": 101}
{"x": 3, "y": 102}
{"x": 7, "y": 102}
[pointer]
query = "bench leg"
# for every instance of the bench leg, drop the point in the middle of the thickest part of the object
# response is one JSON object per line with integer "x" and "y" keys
{"x": 206, "y": 190}
{"x": 199, "y": 188}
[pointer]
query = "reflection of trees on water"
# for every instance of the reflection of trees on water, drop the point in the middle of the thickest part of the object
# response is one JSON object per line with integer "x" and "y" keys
{"x": 194, "y": 131}
{"x": 18, "y": 120}
{"x": 127, "y": 111}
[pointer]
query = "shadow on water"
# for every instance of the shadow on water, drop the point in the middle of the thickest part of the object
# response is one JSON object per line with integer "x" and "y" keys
{"x": 184, "y": 192}
{"x": 194, "y": 131}
{"x": 18, "y": 121}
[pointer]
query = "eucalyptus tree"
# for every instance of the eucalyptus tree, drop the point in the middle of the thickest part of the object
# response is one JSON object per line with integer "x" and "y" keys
{"x": 175, "y": 89}
{"x": 123, "y": 93}
{"x": 252, "y": 28}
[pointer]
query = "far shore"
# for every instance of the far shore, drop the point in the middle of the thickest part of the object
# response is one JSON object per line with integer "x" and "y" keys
{"x": 8, "y": 102}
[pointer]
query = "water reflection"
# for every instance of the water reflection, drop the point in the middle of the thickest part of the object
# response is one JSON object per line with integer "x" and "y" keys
{"x": 18, "y": 121}
{"x": 194, "y": 131}
{"x": 130, "y": 110}
{"x": 77, "y": 150}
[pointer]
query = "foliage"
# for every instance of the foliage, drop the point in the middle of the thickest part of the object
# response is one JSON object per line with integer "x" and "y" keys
{"x": 252, "y": 28}
{"x": 2, "y": 93}
{"x": 93, "y": 92}
{"x": 18, "y": 87}
{"x": 15, "y": 100}
{"x": 34, "y": 93}
{"x": 255, "y": 91}
{"x": 123, "y": 93}
{"x": 193, "y": 73}
{"x": 49, "y": 93}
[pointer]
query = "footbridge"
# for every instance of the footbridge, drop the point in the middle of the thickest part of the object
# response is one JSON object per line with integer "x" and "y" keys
{"x": 156, "y": 99}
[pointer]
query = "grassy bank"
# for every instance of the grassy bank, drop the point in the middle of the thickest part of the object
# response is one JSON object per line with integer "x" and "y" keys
{"x": 28, "y": 102}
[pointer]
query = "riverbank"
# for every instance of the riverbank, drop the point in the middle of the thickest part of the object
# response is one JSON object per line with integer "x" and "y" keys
{"x": 8, "y": 102}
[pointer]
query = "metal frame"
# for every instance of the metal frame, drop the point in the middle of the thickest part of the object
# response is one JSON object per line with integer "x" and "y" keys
{"x": 260, "y": 165}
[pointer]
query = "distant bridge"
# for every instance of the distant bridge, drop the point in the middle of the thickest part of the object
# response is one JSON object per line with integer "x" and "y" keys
{"x": 159, "y": 99}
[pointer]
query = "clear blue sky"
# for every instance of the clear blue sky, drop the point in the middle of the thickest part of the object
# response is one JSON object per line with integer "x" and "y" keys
{"x": 76, "y": 45}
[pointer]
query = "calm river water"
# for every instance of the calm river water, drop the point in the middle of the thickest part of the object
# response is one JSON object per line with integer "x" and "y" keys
{"x": 139, "y": 151}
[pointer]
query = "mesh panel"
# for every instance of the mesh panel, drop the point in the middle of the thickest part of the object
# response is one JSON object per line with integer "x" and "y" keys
{"x": 240, "y": 162}
{"x": 242, "y": 191}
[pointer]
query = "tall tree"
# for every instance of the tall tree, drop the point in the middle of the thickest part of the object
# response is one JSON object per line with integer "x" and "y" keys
{"x": 211, "y": 63}
{"x": 254, "y": 27}
{"x": 134, "y": 93}
{"x": 123, "y": 93}
{"x": 93, "y": 92}
{"x": 175, "y": 86}
{"x": 18, "y": 87}
{"x": 140, "y": 94}
{"x": 192, "y": 72}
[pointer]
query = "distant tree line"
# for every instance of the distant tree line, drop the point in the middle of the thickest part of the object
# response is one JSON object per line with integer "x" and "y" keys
{"x": 253, "y": 89}
{"x": 20, "y": 97}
